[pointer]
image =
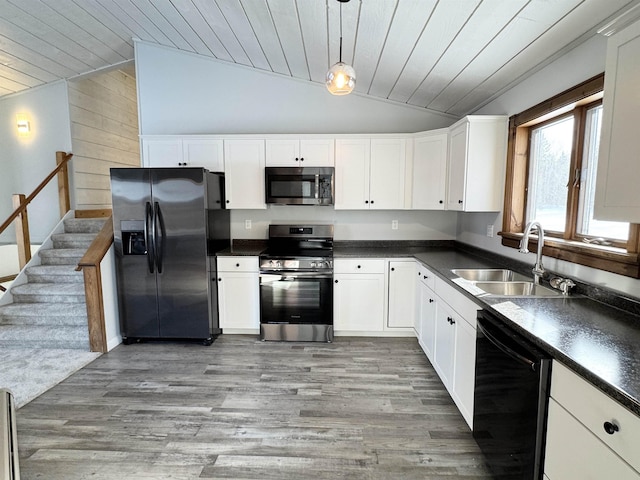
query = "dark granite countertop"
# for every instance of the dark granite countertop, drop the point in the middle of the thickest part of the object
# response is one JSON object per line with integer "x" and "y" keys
{"x": 597, "y": 340}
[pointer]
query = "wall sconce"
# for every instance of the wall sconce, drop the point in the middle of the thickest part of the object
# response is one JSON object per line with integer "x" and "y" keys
{"x": 23, "y": 125}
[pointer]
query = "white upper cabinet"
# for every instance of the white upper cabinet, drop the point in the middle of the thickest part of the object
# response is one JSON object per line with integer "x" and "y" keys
{"x": 370, "y": 173}
{"x": 244, "y": 176}
{"x": 306, "y": 152}
{"x": 352, "y": 173}
{"x": 186, "y": 151}
{"x": 477, "y": 154}
{"x": 618, "y": 167}
{"x": 201, "y": 152}
{"x": 429, "y": 179}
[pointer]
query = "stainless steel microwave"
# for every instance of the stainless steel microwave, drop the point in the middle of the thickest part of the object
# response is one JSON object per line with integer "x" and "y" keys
{"x": 299, "y": 185}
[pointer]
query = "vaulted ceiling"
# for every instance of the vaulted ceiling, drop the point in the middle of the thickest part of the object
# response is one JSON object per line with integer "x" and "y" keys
{"x": 449, "y": 56}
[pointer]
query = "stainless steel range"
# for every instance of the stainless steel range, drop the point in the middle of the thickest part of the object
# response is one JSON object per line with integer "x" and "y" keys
{"x": 296, "y": 284}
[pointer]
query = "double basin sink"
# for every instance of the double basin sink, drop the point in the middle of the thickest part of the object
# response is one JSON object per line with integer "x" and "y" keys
{"x": 503, "y": 283}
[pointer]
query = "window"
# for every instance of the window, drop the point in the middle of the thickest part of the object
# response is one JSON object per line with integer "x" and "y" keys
{"x": 551, "y": 174}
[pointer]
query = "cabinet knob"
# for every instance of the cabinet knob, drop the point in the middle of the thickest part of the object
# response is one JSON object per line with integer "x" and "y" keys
{"x": 302, "y": 159}
{"x": 425, "y": 277}
{"x": 219, "y": 279}
{"x": 335, "y": 281}
{"x": 440, "y": 201}
{"x": 431, "y": 300}
{"x": 610, "y": 428}
{"x": 393, "y": 269}
{"x": 450, "y": 320}
{"x": 372, "y": 201}
{"x": 237, "y": 264}
{"x": 297, "y": 159}
{"x": 460, "y": 201}
{"x": 366, "y": 201}
{"x": 359, "y": 266}
{"x": 227, "y": 201}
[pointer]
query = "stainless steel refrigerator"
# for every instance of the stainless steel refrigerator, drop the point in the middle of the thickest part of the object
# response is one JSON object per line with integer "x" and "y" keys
{"x": 166, "y": 221}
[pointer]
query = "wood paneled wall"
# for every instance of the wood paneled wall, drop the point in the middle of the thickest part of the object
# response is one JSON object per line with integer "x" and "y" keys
{"x": 104, "y": 134}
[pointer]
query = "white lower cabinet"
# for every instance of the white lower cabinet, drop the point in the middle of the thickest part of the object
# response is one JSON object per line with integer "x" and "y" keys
{"x": 447, "y": 335}
{"x": 402, "y": 294}
{"x": 239, "y": 294}
{"x": 358, "y": 296}
{"x": 445, "y": 338}
{"x": 589, "y": 435}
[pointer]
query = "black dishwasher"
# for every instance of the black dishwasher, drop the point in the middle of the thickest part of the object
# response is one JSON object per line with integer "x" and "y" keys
{"x": 510, "y": 401}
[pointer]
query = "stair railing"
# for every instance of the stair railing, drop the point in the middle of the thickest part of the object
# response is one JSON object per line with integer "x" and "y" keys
{"x": 90, "y": 266}
{"x": 20, "y": 202}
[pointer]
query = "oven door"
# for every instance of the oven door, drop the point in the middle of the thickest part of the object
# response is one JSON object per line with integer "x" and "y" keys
{"x": 296, "y": 298}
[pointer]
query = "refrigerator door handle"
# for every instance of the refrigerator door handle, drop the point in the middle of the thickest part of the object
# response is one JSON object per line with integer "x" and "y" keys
{"x": 148, "y": 235}
{"x": 159, "y": 233}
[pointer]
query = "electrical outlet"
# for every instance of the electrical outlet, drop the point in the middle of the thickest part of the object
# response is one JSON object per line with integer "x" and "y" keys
{"x": 490, "y": 230}
{"x": 247, "y": 224}
{"x": 394, "y": 224}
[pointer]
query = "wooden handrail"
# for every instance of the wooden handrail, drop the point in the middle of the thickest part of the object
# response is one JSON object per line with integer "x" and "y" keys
{"x": 90, "y": 266}
{"x": 98, "y": 248}
{"x": 23, "y": 205}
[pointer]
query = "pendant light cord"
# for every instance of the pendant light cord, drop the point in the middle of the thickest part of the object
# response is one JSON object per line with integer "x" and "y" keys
{"x": 340, "y": 32}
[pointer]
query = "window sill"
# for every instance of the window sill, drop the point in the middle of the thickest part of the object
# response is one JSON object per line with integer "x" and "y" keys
{"x": 611, "y": 259}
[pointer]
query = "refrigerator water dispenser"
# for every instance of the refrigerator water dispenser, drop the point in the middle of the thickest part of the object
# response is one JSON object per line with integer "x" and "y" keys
{"x": 133, "y": 238}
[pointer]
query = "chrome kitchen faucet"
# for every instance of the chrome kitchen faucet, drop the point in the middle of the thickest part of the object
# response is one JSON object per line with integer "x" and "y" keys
{"x": 538, "y": 269}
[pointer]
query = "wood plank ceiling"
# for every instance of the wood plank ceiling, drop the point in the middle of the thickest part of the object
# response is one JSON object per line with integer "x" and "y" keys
{"x": 449, "y": 56}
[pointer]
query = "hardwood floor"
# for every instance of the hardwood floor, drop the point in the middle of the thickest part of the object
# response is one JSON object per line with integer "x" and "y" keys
{"x": 358, "y": 408}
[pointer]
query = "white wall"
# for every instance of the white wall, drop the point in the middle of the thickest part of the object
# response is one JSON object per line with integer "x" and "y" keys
{"x": 349, "y": 225}
{"x": 183, "y": 93}
{"x": 576, "y": 66}
{"x": 26, "y": 161}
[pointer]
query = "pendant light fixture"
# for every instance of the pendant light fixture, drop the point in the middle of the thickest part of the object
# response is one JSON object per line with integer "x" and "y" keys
{"x": 341, "y": 78}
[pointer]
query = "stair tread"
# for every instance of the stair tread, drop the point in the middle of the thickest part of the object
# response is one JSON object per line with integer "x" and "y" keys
{"x": 62, "y": 252}
{"x": 44, "y": 309}
{"x": 53, "y": 270}
{"x": 49, "y": 289}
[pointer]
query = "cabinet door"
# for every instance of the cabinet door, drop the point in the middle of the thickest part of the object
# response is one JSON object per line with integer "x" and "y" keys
{"x": 402, "y": 294}
{"x": 574, "y": 453}
{"x": 445, "y": 343}
{"x": 318, "y": 152}
{"x": 428, "y": 310}
{"x": 283, "y": 153}
{"x": 162, "y": 152}
{"x": 352, "y": 174}
{"x": 464, "y": 369}
{"x": 429, "y": 172}
{"x": 207, "y": 153}
{"x": 358, "y": 303}
{"x": 457, "y": 167}
{"x": 244, "y": 173}
{"x": 618, "y": 173}
{"x": 387, "y": 173}
{"x": 238, "y": 301}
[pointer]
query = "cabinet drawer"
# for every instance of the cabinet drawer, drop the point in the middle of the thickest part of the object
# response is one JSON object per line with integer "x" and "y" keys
{"x": 458, "y": 301}
{"x": 358, "y": 265}
{"x": 238, "y": 264}
{"x": 426, "y": 276}
{"x": 593, "y": 408}
{"x": 574, "y": 453}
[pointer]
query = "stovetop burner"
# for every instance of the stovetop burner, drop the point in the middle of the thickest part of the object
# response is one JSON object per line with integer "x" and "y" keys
{"x": 299, "y": 248}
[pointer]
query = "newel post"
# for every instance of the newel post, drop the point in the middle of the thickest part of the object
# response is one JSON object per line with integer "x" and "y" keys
{"x": 21, "y": 224}
{"x": 63, "y": 184}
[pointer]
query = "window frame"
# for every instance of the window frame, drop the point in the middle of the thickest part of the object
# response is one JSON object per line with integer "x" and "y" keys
{"x": 623, "y": 260}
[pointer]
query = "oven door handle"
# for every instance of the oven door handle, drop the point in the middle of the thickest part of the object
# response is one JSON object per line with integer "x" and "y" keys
{"x": 505, "y": 348}
{"x": 289, "y": 276}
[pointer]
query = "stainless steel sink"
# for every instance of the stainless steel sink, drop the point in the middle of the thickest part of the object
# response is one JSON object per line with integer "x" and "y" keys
{"x": 516, "y": 289}
{"x": 488, "y": 274}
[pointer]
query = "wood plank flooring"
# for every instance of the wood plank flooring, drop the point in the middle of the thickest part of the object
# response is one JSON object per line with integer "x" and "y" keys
{"x": 358, "y": 408}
